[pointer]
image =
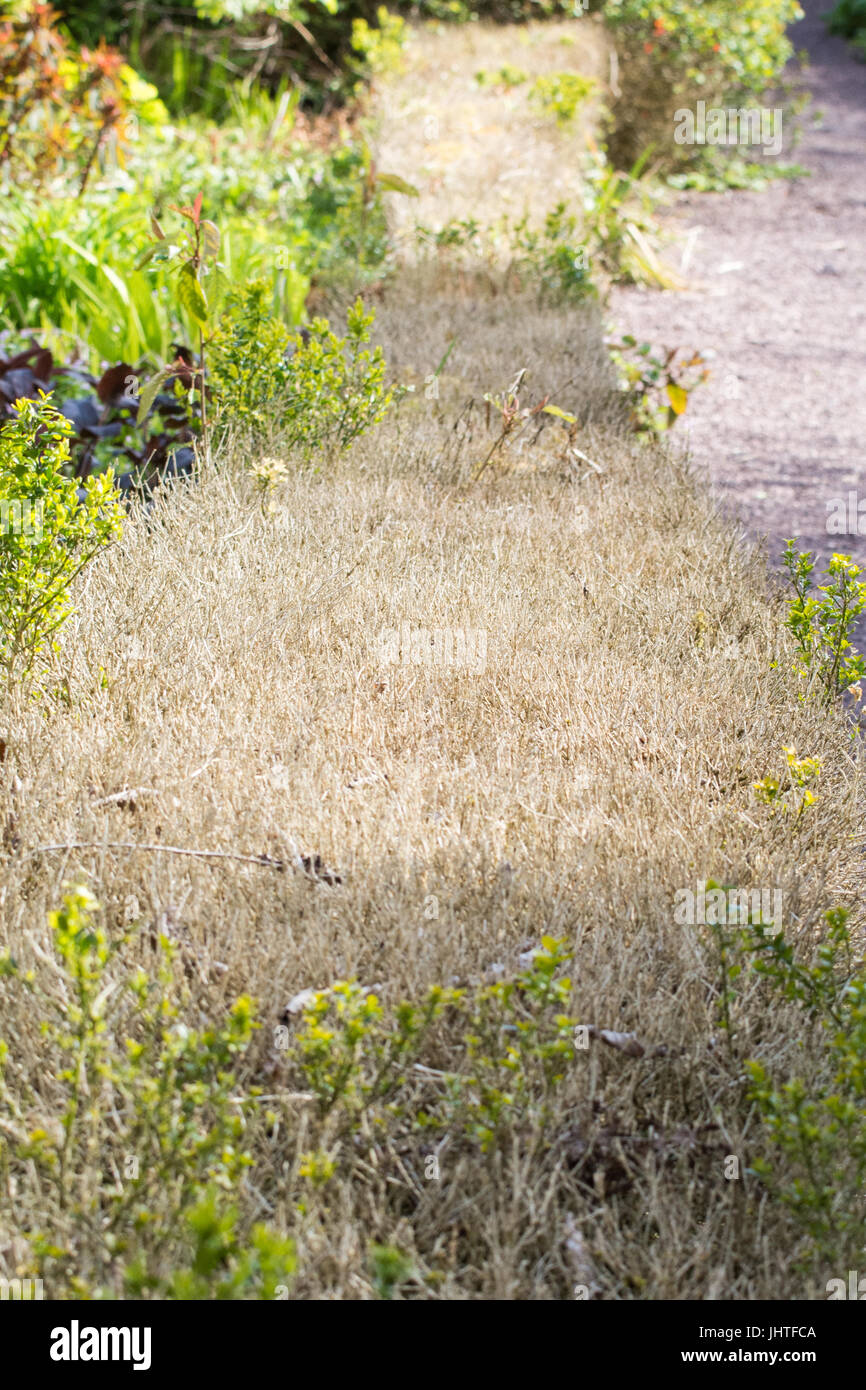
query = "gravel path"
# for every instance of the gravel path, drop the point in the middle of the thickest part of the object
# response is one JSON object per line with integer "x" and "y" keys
{"x": 778, "y": 293}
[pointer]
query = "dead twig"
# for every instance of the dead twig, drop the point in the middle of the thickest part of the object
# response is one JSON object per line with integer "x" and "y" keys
{"x": 263, "y": 860}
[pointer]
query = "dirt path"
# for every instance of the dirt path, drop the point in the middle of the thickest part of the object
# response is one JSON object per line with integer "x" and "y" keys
{"x": 779, "y": 296}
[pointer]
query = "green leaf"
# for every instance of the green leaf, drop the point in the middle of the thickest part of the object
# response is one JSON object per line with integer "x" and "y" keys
{"x": 190, "y": 294}
{"x": 392, "y": 183}
{"x": 560, "y": 414}
{"x": 150, "y": 392}
{"x": 146, "y": 256}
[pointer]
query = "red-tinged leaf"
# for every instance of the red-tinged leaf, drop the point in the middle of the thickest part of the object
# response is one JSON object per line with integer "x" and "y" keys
{"x": 43, "y": 365}
{"x": 196, "y": 208}
{"x": 112, "y": 383}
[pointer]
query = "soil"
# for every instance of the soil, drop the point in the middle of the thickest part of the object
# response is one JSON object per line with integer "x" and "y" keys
{"x": 777, "y": 293}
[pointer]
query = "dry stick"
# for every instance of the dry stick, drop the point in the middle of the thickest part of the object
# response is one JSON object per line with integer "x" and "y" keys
{"x": 261, "y": 859}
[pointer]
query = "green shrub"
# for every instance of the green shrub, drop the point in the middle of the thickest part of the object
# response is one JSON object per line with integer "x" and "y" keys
{"x": 506, "y": 76}
{"x": 556, "y": 255}
{"x": 47, "y": 537}
{"x": 847, "y": 18}
{"x": 561, "y": 94}
{"x": 816, "y": 1126}
{"x": 514, "y": 1040}
{"x": 822, "y": 627}
{"x": 140, "y": 1143}
{"x": 198, "y": 50}
{"x": 286, "y": 212}
{"x": 129, "y": 1160}
{"x": 314, "y": 388}
{"x": 675, "y": 52}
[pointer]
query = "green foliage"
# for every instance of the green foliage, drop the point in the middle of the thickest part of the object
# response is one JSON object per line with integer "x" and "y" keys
{"x": 506, "y": 76}
{"x": 815, "y": 1126}
{"x": 390, "y": 1268}
{"x": 315, "y": 388}
{"x": 571, "y": 255}
{"x": 46, "y": 536}
{"x": 675, "y": 52}
{"x": 848, "y": 18}
{"x": 714, "y": 171}
{"x": 223, "y": 1265}
{"x": 134, "y": 1149}
{"x": 618, "y": 223}
{"x": 147, "y": 1121}
{"x": 799, "y": 773}
{"x": 285, "y": 212}
{"x": 62, "y": 108}
{"x": 514, "y": 1043}
{"x": 200, "y": 51}
{"x": 656, "y": 389}
{"x": 561, "y": 94}
{"x": 380, "y": 48}
{"x": 193, "y": 259}
{"x": 556, "y": 256}
{"x": 822, "y": 626}
{"x": 69, "y": 272}
{"x": 351, "y": 1055}
{"x": 519, "y": 1042}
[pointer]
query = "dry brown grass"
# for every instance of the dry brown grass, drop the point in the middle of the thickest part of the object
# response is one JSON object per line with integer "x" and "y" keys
{"x": 224, "y": 671}
{"x": 485, "y": 151}
{"x": 227, "y": 696}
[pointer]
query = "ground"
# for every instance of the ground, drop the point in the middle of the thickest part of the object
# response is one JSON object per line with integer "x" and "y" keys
{"x": 777, "y": 293}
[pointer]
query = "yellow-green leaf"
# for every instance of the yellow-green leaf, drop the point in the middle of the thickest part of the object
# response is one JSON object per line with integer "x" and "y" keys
{"x": 149, "y": 393}
{"x": 560, "y": 414}
{"x": 392, "y": 183}
{"x": 210, "y": 239}
{"x": 191, "y": 295}
{"x": 678, "y": 398}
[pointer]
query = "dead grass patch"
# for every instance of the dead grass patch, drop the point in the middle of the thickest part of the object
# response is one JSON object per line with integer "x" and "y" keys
{"x": 228, "y": 690}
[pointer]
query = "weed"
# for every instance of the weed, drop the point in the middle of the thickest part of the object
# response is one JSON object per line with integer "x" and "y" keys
{"x": 656, "y": 389}
{"x": 146, "y": 1121}
{"x": 816, "y": 1128}
{"x": 506, "y": 76}
{"x": 799, "y": 773}
{"x": 561, "y": 94}
{"x": 822, "y": 627}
